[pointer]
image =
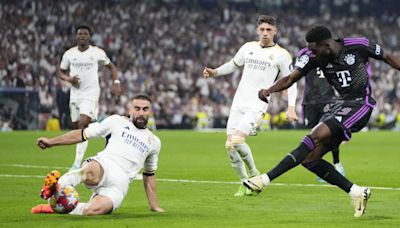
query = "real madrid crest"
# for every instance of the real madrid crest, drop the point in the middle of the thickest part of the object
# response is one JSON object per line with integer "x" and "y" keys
{"x": 350, "y": 59}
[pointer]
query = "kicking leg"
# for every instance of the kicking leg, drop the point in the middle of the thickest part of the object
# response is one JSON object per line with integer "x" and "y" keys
{"x": 314, "y": 141}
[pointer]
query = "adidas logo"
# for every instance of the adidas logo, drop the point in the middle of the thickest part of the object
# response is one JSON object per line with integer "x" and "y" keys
{"x": 329, "y": 65}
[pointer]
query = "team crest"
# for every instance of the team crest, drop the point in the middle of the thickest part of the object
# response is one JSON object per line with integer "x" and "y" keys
{"x": 350, "y": 59}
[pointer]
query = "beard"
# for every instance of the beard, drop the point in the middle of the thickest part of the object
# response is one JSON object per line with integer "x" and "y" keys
{"x": 140, "y": 122}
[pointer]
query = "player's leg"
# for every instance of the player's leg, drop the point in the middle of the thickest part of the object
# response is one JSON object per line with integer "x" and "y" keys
{"x": 314, "y": 141}
{"x": 233, "y": 155}
{"x": 242, "y": 130}
{"x": 336, "y": 161}
{"x": 98, "y": 205}
{"x": 353, "y": 118}
{"x": 88, "y": 110}
{"x": 109, "y": 185}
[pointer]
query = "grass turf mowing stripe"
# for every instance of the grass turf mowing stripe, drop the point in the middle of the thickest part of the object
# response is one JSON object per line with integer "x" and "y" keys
{"x": 217, "y": 182}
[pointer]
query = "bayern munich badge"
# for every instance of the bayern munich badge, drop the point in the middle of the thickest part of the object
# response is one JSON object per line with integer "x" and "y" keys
{"x": 350, "y": 59}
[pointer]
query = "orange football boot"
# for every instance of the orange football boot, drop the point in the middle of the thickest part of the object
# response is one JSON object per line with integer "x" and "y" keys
{"x": 50, "y": 184}
{"x": 42, "y": 208}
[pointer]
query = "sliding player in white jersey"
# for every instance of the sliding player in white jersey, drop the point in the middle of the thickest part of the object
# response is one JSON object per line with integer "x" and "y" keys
{"x": 79, "y": 66}
{"x": 130, "y": 148}
{"x": 263, "y": 62}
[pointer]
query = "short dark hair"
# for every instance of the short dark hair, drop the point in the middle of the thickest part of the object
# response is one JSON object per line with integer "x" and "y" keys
{"x": 266, "y": 19}
{"x": 83, "y": 27}
{"x": 318, "y": 33}
{"x": 142, "y": 96}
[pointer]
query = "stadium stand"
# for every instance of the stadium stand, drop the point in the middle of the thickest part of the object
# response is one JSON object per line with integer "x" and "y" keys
{"x": 160, "y": 48}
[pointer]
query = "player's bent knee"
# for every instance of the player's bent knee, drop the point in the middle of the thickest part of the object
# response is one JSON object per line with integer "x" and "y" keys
{"x": 228, "y": 145}
{"x": 93, "y": 172}
{"x": 311, "y": 157}
{"x": 237, "y": 140}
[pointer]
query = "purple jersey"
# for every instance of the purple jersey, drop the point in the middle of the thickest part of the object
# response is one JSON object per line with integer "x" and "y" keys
{"x": 349, "y": 73}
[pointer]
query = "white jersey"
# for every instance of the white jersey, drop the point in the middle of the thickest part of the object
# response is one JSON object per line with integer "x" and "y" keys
{"x": 262, "y": 67}
{"x": 86, "y": 65}
{"x": 131, "y": 148}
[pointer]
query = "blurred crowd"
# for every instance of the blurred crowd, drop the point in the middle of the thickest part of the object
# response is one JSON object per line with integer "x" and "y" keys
{"x": 161, "y": 47}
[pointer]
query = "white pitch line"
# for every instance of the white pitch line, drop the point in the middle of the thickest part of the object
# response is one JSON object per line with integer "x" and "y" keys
{"x": 179, "y": 180}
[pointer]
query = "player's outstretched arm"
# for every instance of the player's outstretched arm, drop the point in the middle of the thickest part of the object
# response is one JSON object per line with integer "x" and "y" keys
{"x": 209, "y": 72}
{"x": 150, "y": 186}
{"x": 280, "y": 85}
{"x": 114, "y": 76}
{"x": 392, "y": 60}
{"x": 71, "y": 137}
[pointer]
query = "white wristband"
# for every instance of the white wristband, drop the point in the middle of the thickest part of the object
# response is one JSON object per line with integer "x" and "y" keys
{"x": 116, "y": 81}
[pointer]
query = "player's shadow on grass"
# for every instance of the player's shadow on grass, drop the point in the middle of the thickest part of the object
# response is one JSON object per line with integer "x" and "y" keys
{"x": 376, "y": 217}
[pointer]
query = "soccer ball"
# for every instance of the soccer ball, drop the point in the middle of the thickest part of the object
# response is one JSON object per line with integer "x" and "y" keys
{"x": 64, "y": 200}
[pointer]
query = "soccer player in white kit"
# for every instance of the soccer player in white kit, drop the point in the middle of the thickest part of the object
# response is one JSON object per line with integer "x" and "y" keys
{"x": 79, "y": 66}
{"x": 263, "y": 62}
{"x": 130, "y": 148}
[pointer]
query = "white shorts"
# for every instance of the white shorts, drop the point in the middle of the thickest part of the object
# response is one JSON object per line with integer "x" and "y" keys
{"x": 243, "y": 119}
{"x": 88, "y": 107}
{"x": 114, "y": 184}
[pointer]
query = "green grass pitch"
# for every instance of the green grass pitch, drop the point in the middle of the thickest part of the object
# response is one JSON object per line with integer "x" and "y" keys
{"x": 196, "y": 184}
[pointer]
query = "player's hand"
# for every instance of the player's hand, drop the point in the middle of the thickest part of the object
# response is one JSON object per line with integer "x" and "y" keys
{"x": 157, "y": 209}
{"x": 43, "y": 143}
{"x": 75, "y": 81}
{"x": 117, "y": 89}
{"x": 263, "y": 94}
{"x": 208, "y": 72}
{"x": 291, "y": 114}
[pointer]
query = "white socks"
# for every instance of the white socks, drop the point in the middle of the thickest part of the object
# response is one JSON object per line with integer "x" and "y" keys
{"x": 80, "y": 152}
{"x": 245, "y": 152}
{"x": 237, "y": 164}
{"x": 78, "y": 209}
{"x": 265, "y": 179}
{"x": 355, "y": 191}
{"x": 72, "y": 178}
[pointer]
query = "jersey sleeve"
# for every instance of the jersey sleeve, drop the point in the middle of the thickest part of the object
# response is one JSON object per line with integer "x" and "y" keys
{"x": 103, "y": 58}
{"x": 101, "y": 129}
{"x": 64, "y": 65}
{"x": 373, "y": 50}
{"x": 151, "y": 162}
{"x": 238, "y": 60}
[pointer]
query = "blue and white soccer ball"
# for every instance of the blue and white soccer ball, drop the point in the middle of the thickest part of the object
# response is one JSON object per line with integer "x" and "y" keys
{"x": 64, "y": 200}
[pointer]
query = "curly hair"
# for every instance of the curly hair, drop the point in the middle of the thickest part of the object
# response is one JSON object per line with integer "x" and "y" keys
{"x": 318, "y": 33}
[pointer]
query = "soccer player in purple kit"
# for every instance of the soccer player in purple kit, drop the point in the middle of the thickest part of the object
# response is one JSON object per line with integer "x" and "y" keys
{"x": 346, "y": 67}
{"x": 318, "y": 98}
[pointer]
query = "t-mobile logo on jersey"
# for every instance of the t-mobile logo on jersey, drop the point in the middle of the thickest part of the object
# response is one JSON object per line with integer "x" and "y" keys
{"x": 344, "y": 77}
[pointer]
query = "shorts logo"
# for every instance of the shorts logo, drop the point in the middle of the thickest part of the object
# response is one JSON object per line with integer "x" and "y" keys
{"x": 339, "y": 118}
{"x": 350, "y": 59}
{"x": 345, "y": 111}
